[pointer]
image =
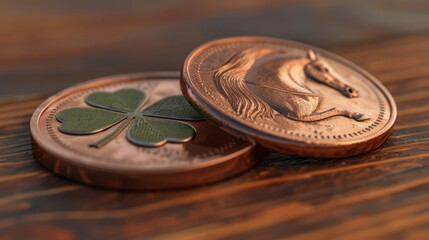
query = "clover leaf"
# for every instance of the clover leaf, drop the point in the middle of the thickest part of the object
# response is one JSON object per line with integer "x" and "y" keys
{"x": 153, "y": 126}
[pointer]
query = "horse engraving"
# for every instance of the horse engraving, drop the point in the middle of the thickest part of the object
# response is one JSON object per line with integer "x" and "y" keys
{"x": 263, "y": 82}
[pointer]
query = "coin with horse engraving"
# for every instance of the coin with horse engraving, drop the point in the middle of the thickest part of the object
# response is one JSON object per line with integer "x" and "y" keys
{"x": 134, "y": 131}
{"x": 289, "y": 97}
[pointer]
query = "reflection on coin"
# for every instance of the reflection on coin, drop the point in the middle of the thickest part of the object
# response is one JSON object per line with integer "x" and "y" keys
{"x": 134, "y": 132}
{"x": 289, "y": 97}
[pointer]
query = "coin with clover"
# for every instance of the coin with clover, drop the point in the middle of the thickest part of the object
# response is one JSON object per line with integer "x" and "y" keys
{"x": 134, "y": 132}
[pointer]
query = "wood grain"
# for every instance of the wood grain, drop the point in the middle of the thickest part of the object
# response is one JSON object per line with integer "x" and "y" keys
{"x": 380, "y": 195}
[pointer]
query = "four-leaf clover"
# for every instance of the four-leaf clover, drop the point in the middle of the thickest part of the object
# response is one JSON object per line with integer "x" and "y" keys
{"x": 153, "y": 126}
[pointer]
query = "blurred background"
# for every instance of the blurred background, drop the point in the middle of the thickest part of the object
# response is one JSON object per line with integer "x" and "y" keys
{"x": 46, "y": 45}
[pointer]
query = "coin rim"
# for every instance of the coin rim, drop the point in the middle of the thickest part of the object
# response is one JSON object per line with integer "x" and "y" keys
{"x": 283, "y": 144}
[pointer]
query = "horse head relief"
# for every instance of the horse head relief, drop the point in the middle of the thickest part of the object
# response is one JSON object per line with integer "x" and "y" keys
{"x": 264, "y": 82}
{"x": 319, "y": 70}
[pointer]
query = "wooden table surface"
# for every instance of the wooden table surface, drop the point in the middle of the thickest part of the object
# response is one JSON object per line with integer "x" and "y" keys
{"x": 382, "y": 194}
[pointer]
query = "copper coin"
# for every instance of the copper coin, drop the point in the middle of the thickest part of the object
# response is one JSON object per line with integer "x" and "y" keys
{"x": 288, "y": 96}
{"x": 134, "y": 132}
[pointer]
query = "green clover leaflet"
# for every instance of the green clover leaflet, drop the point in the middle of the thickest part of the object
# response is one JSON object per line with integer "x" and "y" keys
{"x": 153, "y": 126}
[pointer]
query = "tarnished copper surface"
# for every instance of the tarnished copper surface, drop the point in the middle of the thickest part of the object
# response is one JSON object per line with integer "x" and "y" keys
{"x": 210, "y": 156}
{"x": 288, "y": 96}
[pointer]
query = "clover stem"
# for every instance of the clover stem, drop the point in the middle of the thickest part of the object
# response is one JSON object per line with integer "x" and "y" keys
{"x": 112, "y": 135}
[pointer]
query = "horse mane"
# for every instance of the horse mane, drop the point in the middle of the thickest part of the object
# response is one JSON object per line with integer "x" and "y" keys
{"x": 230, "y": 81}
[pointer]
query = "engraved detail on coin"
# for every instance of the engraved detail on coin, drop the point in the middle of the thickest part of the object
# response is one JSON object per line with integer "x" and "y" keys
{"x": 264, "y": 82}
{"x": 150, "y": 127}
{"x": 199, "y": 69}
